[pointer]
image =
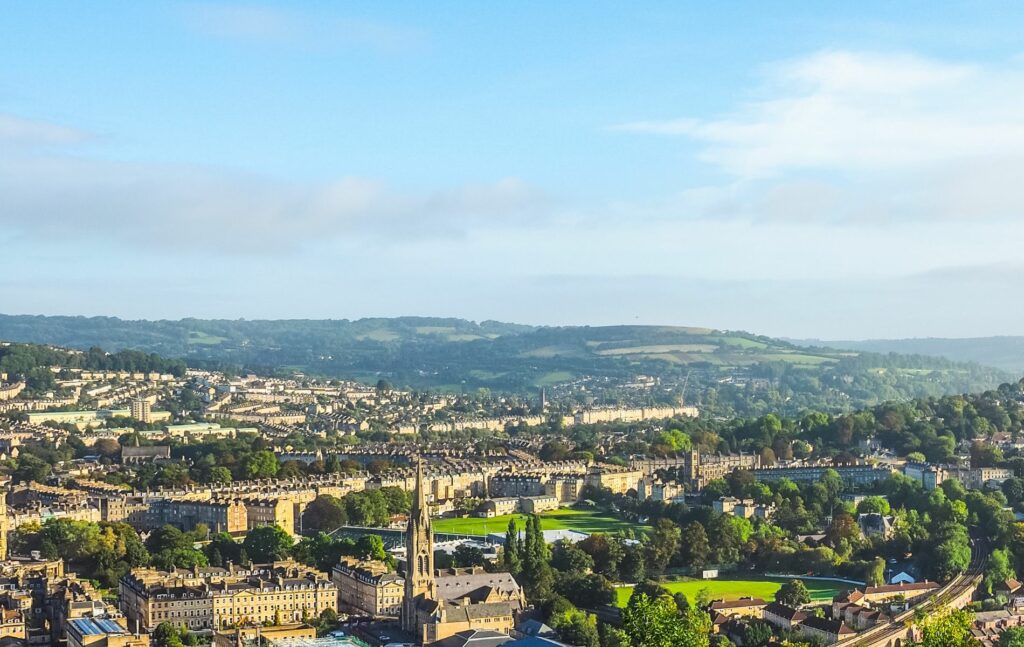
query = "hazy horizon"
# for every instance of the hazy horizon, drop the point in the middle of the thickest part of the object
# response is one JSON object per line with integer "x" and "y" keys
{"x": 534, "y": 324}
{"x": 836, "y": 172}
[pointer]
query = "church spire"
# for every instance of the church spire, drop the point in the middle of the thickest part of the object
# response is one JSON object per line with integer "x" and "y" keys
{"x": 419, "y": 554}
{"x": 419, "y": 510}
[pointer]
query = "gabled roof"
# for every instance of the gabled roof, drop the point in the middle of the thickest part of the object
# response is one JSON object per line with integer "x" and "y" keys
{"x": 450, "y": 587}
{"x": 535, "y": 627}
{"x": 837, "y": 627}
{"x": 1009, "y": 584}
{"x": 898, "y": 588}
{"x": 785, "y": 612}
{"x": 724, "y": 605}
{"x": 849, "y": 596}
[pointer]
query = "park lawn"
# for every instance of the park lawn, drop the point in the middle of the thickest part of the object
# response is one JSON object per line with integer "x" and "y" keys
{"x": 726, "y": 589}
{"x": 589, "y": 521}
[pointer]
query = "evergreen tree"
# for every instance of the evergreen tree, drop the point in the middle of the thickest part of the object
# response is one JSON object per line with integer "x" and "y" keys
{"x": 512, "y": 557}
{"x": 540, "y": 547}
{"x": 537, "y": 573}
{"x": 526, "y": 546}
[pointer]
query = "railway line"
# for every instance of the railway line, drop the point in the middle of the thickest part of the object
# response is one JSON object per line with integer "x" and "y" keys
{"x": 896, "y": 633}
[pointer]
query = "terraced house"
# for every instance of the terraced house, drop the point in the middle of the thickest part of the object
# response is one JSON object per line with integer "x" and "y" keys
{"x": 368, "y": 587}
{"x": 210, "y": 598}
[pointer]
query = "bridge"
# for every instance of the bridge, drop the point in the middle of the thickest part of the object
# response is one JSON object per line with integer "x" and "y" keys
{"x": 955, "y": 594}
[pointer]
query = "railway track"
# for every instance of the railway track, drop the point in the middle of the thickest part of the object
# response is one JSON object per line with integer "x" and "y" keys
{"x": 889, "y": 633}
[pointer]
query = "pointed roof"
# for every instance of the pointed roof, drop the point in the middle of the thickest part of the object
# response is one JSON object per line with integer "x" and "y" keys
{"x": 420, "y": 502}
{"x": 419, "y": 513}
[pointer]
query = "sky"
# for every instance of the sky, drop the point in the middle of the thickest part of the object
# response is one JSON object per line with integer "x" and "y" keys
{"x": 798, "y": 169}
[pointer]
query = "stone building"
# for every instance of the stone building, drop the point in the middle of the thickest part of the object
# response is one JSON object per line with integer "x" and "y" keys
{"x": 368, "y": 587}
{"x": 619, "y": 480}
{"x": 103, "y": 632}
{"x": 186, "y": 511}
{"x": 212, "y": 598}
{"x": 437, "y": 607}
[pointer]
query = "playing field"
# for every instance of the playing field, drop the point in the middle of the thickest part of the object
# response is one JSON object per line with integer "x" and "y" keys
{"x": 723, "y": 589}
{"x": 588, "y": 521}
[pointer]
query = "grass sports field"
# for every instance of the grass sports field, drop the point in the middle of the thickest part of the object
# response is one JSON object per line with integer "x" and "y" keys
{"x": 589, "y": 521}
{"x": 725, "y": 589}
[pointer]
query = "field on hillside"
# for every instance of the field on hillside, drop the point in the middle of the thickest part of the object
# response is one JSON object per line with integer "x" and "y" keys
{"x": 204, "y": 339}
{"x": 588, "y": 521}
{"x": 729, "y": 589}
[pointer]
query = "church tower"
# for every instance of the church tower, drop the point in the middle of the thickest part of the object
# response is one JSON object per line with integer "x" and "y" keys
{"x": 419, "y": 555}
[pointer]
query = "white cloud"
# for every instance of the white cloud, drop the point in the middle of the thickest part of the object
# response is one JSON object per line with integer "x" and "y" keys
{"x": 175, "y": 206}
{"x": 847, "y": 111}
{"x": 17, "y": 130}
{"x": 850, "y": 136}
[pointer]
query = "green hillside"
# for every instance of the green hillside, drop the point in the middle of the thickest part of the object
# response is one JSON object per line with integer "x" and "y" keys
{"x": 1005, "y": 352}
{"x": 745, "y": 373}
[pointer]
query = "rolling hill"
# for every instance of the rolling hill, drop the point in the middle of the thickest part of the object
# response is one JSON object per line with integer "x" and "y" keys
{"x": 454, "y": 354}
{"x": 1005, "y": 352}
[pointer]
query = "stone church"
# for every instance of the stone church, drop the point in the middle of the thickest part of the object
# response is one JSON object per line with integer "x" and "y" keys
{"x": 438, "y": 605}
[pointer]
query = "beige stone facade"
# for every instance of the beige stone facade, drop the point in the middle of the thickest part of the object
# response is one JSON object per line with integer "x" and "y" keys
{"x": 188, "y": 511}
{"x": 213, "y": 598}
{"x": 617, "y": 479}
{"x": 367, "y": 587}
{"x": 437, "y": 606}
{"x": 11, "y": 391}
{"x": 103, "y": 632}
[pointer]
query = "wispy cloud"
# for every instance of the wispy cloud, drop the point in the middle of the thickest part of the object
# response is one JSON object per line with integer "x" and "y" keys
{"x": 29, "y": 132}
{"x": 851, "y": 135}
{"x": 260, "y": 24}
{"x": 180, "y": 206}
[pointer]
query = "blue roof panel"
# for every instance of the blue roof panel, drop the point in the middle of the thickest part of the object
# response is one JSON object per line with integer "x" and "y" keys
{"x": 86, "y": 627}
{"x": 109, "y": 626}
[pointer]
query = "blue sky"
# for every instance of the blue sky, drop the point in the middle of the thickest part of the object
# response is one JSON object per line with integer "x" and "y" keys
{"x": 849, "y": 170}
